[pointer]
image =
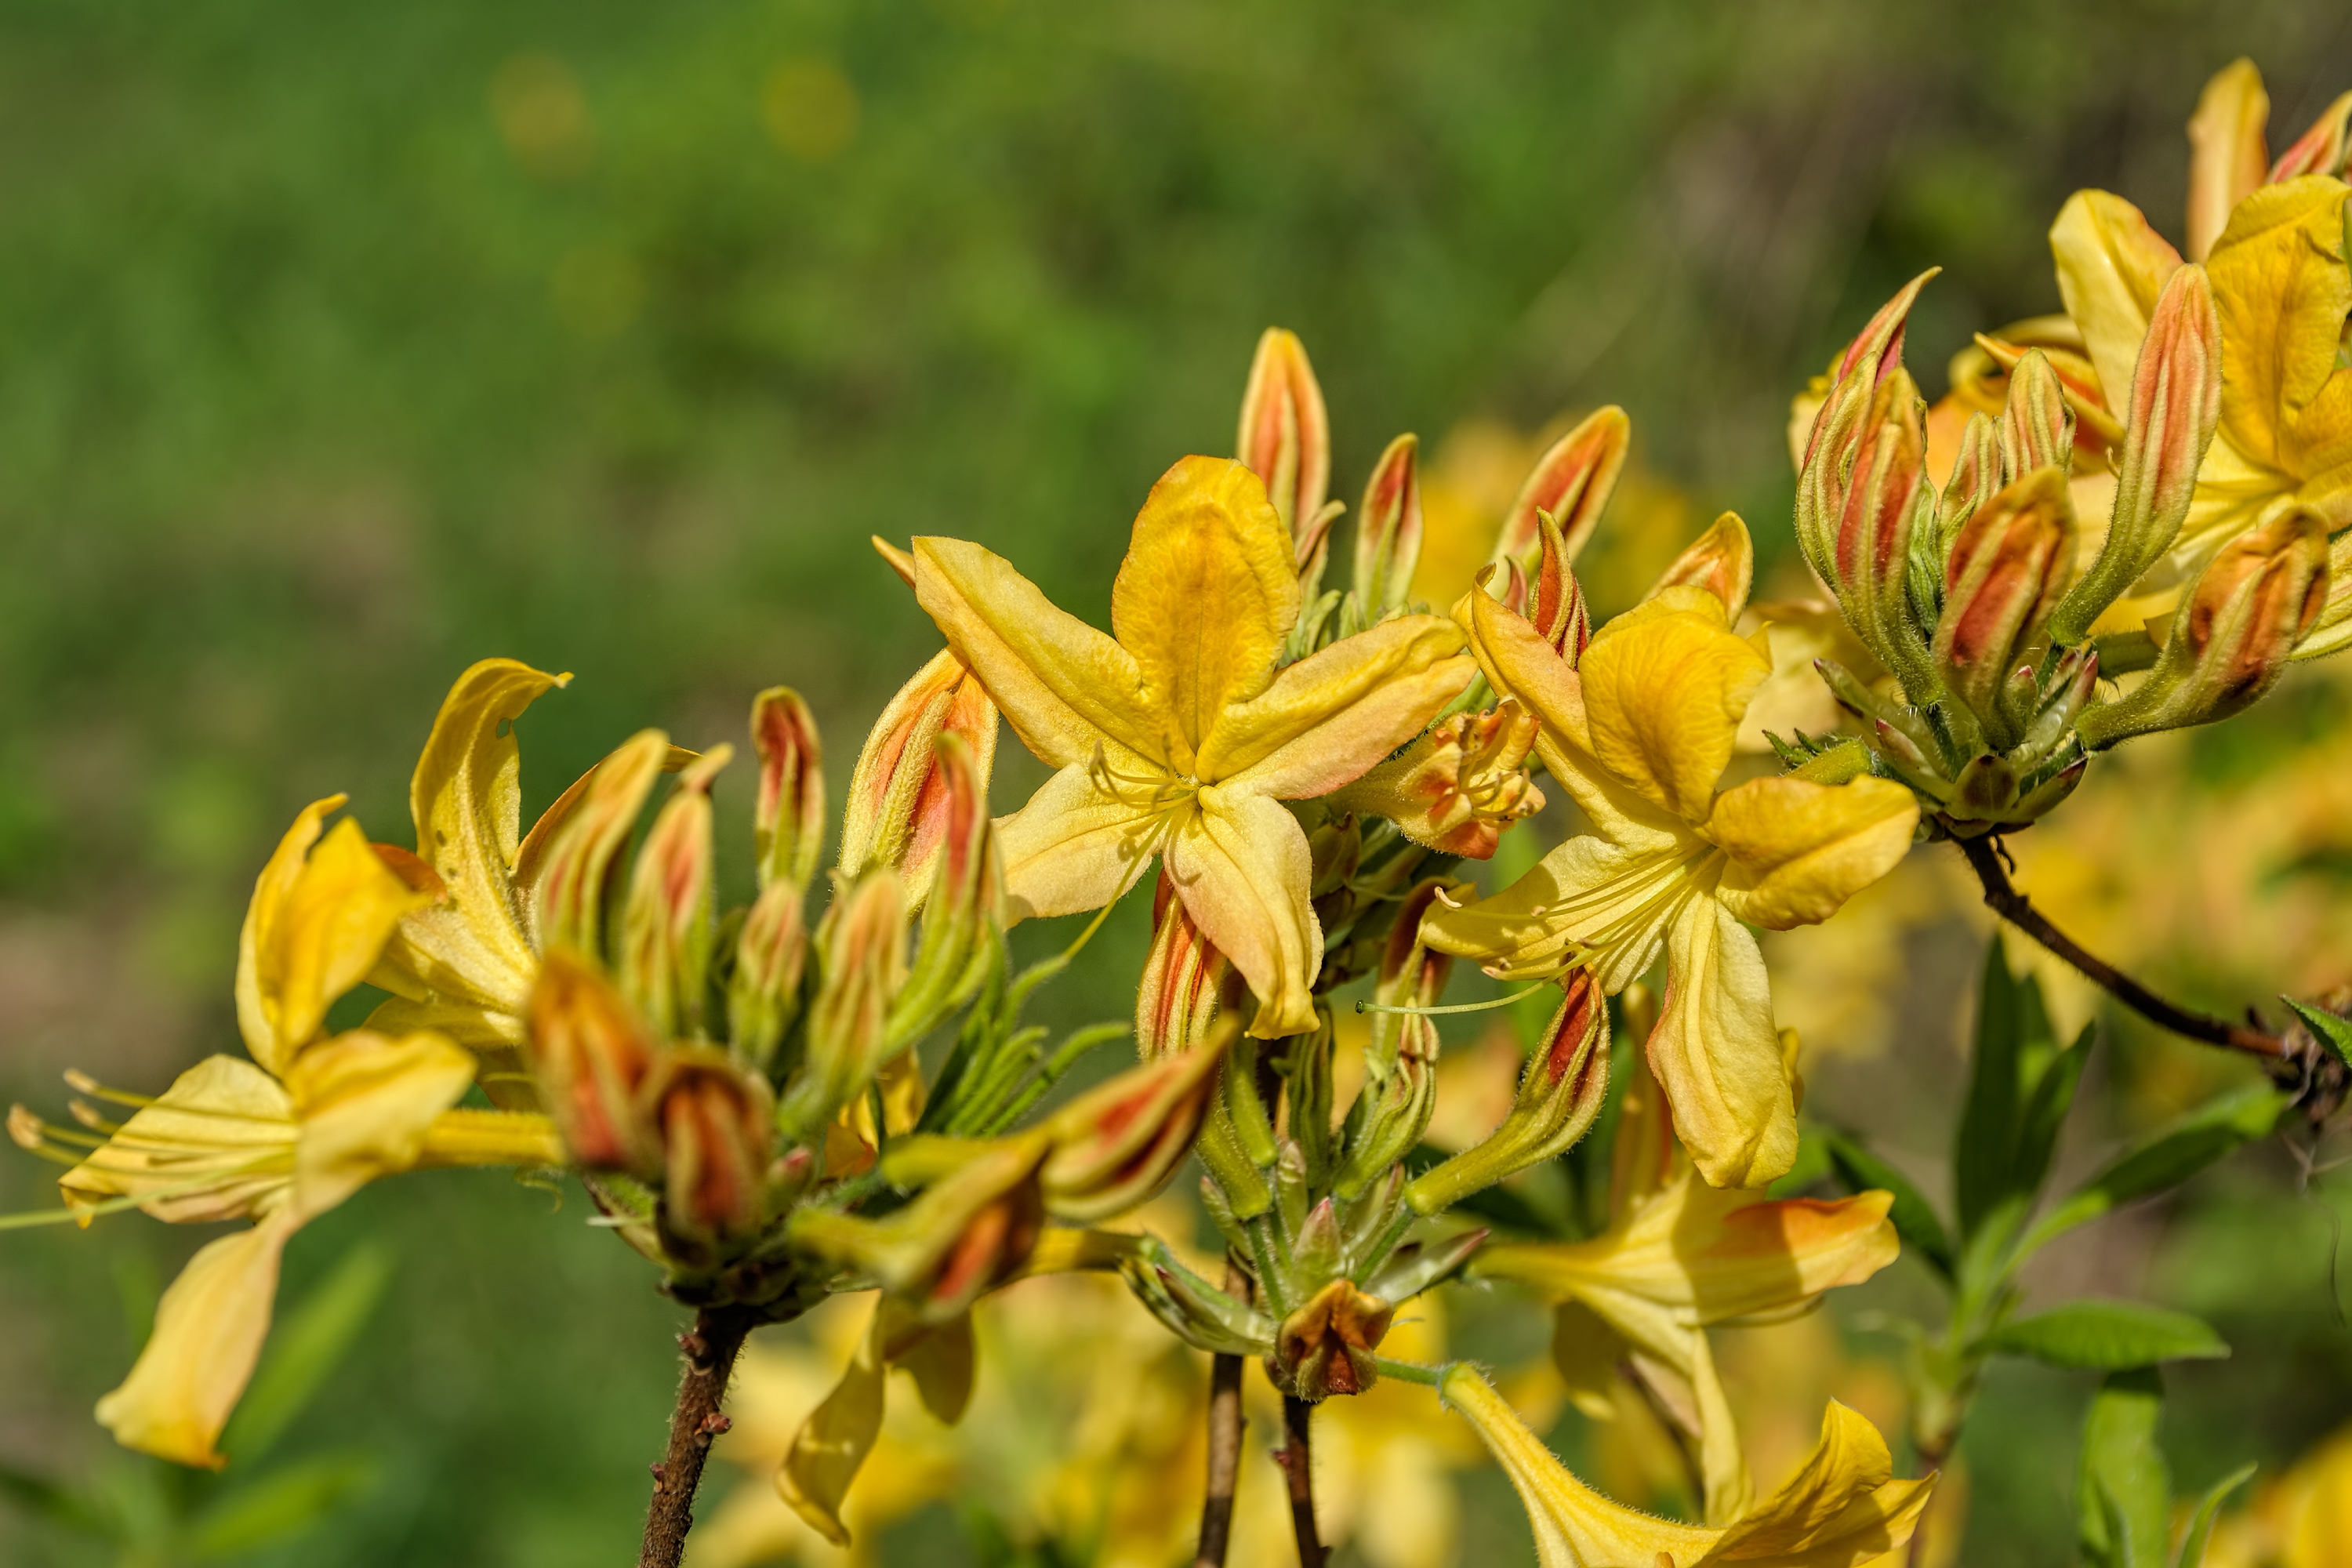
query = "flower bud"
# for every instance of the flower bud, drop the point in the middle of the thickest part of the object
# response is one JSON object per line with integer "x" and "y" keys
{"x": 591, "y": 1053}
{"x": 2321, "y": 149}
{"x": 2073, "y": 379}
{"x": 1116, "y": 1146}
{"x": 716, "y": 1130}
{"x": 2007, "y": 569}
{"x": 1458, "y": 786}
{"x": 2250, "y": 607}
{"x": 898, "y": 812}
{"x": 1560, "y": 1094}
{"x": 968, "y": 1232}
{"x": 965, "y": 913}
{"x": 2176, "y": 400}
{"x": 763, "y": 994}
{"x": 1186, "y": 980}
{"x": 1572, "y": 480}
{"x": 665, "y": 959}
{"x": 2333, "y": 628}
{"x": 1387, "y": 530}
{"x": 788, "y": 819}
{"x": 1722, "y": 561}
{"x": 1285, "y": 440}
{"x": 1389, "y": 1115}
{"x": 1307, "y": 1081}
{"x": 1412, "y": 975}
{"x": 2037, "y": 425}
{"x": 1325, "y": 1347}
{"x": 861, "y": 954}
{"x": 579, "y": 862}
{"x": 1557, "y": 611}
{"x": 1191, "y": 1308}
{"x": 1976, "y": 477}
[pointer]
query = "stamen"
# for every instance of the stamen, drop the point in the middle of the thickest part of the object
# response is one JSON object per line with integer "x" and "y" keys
{"x": 81, "y": 1082}
{"x": 1486, "y": 1006}
{"x": 87, "y": 1115}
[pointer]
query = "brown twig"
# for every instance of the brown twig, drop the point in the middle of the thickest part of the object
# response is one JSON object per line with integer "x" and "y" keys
{"x": 1225, "y": 1441}
{"x": 710, "y": 1348}
{"x": 1297, "y": 1459}
{"x": 2015, "y": 908}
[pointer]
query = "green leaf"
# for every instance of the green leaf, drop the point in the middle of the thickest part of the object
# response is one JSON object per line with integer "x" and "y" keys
{"x": 1914, "y": 1221}
{"x": 2106, "y": 1336}
{"x": 2201, "y": 1526}
{"x": 279, "y": 1505}
{"x": 58, "y": 1505}
{"x": 2046, "y": 1114}
{"x": 1987, "y": 1131}
{"x": 2333, "y": 1032}
{"x": 308, "y": 1345}
{"x": 2168, "y": 1159}
{"x": 2125, "y": 1495}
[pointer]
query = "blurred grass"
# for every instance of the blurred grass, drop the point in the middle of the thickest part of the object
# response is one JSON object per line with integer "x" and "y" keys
{"x": 344, "y": 345}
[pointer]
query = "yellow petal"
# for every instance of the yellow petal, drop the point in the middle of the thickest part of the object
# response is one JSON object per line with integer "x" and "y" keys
{"x": 1332, "y": 715}
{"x": 832, "y": 1444}
{"x": 1716, "y": 1052}
{"x": 1588, "y": 902}
{"x": 1241, "y": 866}
{"x": 1204, "y": 598}
{"x": 1800, "y": 850}
{"x": 1084, "y": 837}
{"x": 2226, "y": 157}
{"x": 1518, "y": 662}
{"x": 2280, "y": 288}
{"x": 365, "y": 1103}
{"x": 466, "y": 798}
{"x": 495, "y": 1037}
{"x": 1842, "y": 1509}
{"x": 218, "y": 1144}
{"x": 1664, "y": 689}
{"x": 208, "y": 1331}
{"x": 2111, "y": 268}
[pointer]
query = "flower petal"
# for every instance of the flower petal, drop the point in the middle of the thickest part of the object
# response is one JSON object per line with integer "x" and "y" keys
{"x": 2226, "y": 154}
{"x": 2111, "y": 270}
{"x": 208, "y": 1331}
{"x": 1800, "y": 850}
{"x": 1240, "y": 864}
{"x": 1204, "y": 598}
{"x": 1587, "y": 903}
{"x": 1081, "y": 841}
{"x": 1842, "y": 1509}
{"x": 2281, "y": 286}
{"x": 1064, "y": 685}
{"x": 1716, "y": 1052}
{"x": 218, "y": 1144}
{"x": 365, "y": 1102}
{"x": 1664, "y": 689}
{"x": 1334, "y": 714}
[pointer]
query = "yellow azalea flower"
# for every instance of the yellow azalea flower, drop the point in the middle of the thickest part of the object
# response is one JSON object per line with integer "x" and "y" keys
{"x": 1179, "y": 736}
{"x": 1639, "y": 734}
{"x": 1681, "y": 1259}
{"x": 2300, "y": 1520}
{"x": 284, "y": 1142}
{"x": 1842, "y": 1508}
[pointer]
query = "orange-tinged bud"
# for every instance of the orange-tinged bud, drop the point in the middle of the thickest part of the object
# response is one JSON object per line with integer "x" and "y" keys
{"x": 1458, "y": 786}
{"x": 763, "y": 995}
{"x": 2007, "y": 567}
{"x": 2037, "y": 425}
{"x": 1387, "y": 530}
{"x": 965, "y": 914}
{"x": 591, "y": 1053}
{"x": 1412, "y": 975}
{"x": 2320, "y": 150}
{"x": 1116, "y": 1146}
{"x": 1325, "y": 1347}
{"x": 862, "y": 962}
{"x": 581, "y": 861}
{"x": 788, "y": 819}
{"x": 1722, "y": 561}
{"x": 2252, "y": 604}
{"x": 967, "y": 1233}
{"x": 1285, "y": 434}
{"x": 1572, "y": 480}
{"x": 900, "y": 811}
{"x": 1390, "y": 1111}
{"x": 666, "y": 936}
{"x": 2176, "y": 400}
{"x": 1554, "y": 601}
{"x": 1560, "y": 1094}
{"x": 2073, "y": 379}
{"x": 1186, "y": 980}
{"x": 716, "y": 1127}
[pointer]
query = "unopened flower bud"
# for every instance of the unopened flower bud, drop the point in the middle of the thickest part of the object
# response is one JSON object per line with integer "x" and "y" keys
{"x": 2248, "y": 610}
{"x": 1116, "y": 1146}
{"x": 763, "y": 994}
{"x": 1976, "y": 477}
{"x": 1325, "y": 1347}
{"x": 716, "y": 1128}
{"x": 591, "y": 1053}
{"x": 2037, "y": 425}
{"x": 1412, "y": 975}
{"x": 1286, "y": 439}
{"x": 1722, "y": 561}
{"x": 2176, "y": 400}
{"x": 2075, "y": 381}
{"x": 2007, "y": 567}
{"x": 898, "y": 812}
{"x": 1458, "y": 786}
{"x": 1387, "y": 530}
{"x": 788, "y": 818}
{"x": 862, "y": 961}
{"x": 666, "y": 936}
{"x": 1560, "y": 1094}
{"x": 971, "y": 1230}
{"x": 2321, "y": 149}
{"x": 1389, "y": 1115}
{"x": 1554, "y": 600}
{"x": 1573, "y": 481}
{"x": 1191, "y": 1308}
{"x": 965, "y": 911}
{"x": 578, "y": 869}
{"x": 1186, "y": 980}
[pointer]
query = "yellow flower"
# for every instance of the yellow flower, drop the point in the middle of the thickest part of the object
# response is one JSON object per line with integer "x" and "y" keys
{"x": 280, "y": 1146}
{"x": 1180, "y": 737}
{"x": 1684, "y": 1259}
{"x": 2301, "y": 1520}
{"x": 1639, "y": 734}
{"x": 1842, "y": 1509}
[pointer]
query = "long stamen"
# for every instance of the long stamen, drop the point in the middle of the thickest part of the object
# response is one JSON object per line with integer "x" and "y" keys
{"x": 81, "y": 1082}
{"x": 1485, "y": 1006}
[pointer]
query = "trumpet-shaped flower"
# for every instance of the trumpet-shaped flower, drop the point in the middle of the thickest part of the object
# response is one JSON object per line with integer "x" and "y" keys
{"x": 1179, "y": 737}
{"x": 1638, "y": 733}
{"x": 1842, "y": 1509}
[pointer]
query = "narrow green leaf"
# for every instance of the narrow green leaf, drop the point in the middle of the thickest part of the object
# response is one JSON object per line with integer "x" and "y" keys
{"x": 2106, "y": 1336}
{"x": 2046, "y": 1114}
{"x": 2333, "y": 1033}
{"x": 1987, "y": 1131}
{"x": 309, "y": 1343}
{"x": 2201, "y": 1526}
{"x": 1915, "y": 1220}
{"x": 2168, "y": 1159}
{"x": 2125, "y": 1495}
{"x": 279, "y": 1505}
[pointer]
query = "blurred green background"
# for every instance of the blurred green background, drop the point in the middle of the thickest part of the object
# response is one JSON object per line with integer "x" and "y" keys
{"x": 341, "y": 345}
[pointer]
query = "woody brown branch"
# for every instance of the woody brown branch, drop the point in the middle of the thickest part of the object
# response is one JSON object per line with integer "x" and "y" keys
{"x": 710, "y": 1349}
{"x": 1298, "y": 1461}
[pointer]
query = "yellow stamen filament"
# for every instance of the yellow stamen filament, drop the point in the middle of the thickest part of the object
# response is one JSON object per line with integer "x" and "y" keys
{"x": 491, "y": 1138}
